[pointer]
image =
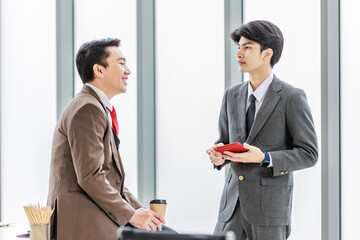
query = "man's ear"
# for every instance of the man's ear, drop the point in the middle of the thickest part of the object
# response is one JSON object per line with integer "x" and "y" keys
{"x": 98, "y": 70}
{"x": 269, "y": 52}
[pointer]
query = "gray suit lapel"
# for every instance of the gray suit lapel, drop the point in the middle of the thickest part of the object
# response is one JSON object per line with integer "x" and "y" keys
{"x": 270, "y": 100}
{"x": 240, "y": 110}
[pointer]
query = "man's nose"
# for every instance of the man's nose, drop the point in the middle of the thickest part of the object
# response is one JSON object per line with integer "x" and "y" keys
{"x": 127, "y": 71}
{"x": 239, "y": 54}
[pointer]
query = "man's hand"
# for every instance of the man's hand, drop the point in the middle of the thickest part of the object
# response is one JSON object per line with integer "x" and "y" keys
{"x": 254, "y": 155}
{"x": 215, "y": 157}
{"x": 147, "y": 219}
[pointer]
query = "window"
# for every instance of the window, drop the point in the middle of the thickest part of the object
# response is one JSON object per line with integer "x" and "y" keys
{"x": 350, "y": 112}
{"x": 189, "y": 90}
{"x": 28, "y": 103}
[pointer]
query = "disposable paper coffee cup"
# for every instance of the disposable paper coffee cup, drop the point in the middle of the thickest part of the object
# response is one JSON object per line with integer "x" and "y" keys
{"x": 158, "y": 205}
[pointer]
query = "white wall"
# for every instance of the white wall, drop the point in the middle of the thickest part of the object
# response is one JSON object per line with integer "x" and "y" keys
{"x": 28, "y": 103}
{"x": 350, "y": 114}
{"x": 116, "y": 19}
{"x": 190, "y": 85}
{"x": 299, "y": 65}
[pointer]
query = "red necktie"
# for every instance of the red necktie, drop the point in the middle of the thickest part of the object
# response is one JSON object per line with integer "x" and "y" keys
{"x": 114, "y": 121}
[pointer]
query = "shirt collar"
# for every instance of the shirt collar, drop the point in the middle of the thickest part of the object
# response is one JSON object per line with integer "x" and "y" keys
{"x": 262, "y": 89}
{"x": 104, "y": 99}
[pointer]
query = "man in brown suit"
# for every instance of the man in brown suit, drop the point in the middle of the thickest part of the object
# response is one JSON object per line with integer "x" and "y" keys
{"x": 87, "y": 175}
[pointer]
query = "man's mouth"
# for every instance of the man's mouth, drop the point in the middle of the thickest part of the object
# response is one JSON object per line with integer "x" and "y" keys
{"x": 124, "y": 80}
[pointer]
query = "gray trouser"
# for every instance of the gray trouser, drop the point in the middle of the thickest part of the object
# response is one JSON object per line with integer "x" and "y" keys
{"x": 246, "y": 231}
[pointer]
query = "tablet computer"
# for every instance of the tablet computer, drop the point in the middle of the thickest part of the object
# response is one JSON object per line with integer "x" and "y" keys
{"x": 235, "y": 147}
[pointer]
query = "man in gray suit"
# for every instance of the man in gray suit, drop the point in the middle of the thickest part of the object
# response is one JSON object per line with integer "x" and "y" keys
{"x": 273, "y": 120}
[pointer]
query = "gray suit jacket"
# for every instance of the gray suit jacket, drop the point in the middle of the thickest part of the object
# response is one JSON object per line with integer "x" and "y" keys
{"x": 284, "y": 128}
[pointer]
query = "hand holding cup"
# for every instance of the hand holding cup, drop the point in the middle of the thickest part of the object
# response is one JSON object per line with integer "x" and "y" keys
{"x": 158, "y": 205}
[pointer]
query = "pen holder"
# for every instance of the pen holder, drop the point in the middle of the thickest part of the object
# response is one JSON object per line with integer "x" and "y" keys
{"x": 39, "y": 232}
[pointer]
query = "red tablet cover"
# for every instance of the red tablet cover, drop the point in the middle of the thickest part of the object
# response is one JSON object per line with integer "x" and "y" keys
{"x": 235, "y": 147}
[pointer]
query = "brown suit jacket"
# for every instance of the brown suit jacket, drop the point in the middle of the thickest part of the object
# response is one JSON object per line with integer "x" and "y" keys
{"x": 86, "y": 174}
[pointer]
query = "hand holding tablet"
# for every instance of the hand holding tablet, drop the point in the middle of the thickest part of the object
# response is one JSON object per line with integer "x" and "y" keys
{"x": 235, "y": 147}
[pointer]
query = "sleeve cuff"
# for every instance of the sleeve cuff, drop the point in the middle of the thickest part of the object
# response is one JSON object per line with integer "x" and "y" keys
{"x": 271, "y": 162}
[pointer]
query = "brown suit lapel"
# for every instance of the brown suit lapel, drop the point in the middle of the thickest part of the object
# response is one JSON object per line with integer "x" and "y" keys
{"x": 117, "y": 158}
{"x": 115, "y": 152}
{"x": 116, "y": 155}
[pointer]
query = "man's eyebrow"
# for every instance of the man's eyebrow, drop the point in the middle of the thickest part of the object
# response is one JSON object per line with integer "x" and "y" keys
{"x": 246, "y": 43}
{"x": 121, "y": 58}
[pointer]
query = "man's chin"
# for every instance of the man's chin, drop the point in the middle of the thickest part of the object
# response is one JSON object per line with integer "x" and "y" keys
{"x": 120, "y": 91}
{"x": 241, "y": 68}
{"x": 123, "y": 90}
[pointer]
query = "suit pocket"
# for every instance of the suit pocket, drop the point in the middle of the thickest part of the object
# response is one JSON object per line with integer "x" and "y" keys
{"x": 276, "y": 199}
{"x": 225, "y": 193}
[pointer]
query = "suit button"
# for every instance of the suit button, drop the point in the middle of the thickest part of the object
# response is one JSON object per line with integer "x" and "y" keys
{"x": 241, "y": 178}
{"x": 282, "y": 173}
{"x": 118, "y": 183}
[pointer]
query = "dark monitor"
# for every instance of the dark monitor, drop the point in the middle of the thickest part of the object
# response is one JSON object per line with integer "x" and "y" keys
{"x": 128, "y": 233}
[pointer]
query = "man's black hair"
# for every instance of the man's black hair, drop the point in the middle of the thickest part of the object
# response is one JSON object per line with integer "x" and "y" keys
{"x": 267, "y": 34}
{"x": 91, "y": 53}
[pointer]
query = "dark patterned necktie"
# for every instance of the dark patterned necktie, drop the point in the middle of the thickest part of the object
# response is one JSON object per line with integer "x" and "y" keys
{"x": 250, "y": 114}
